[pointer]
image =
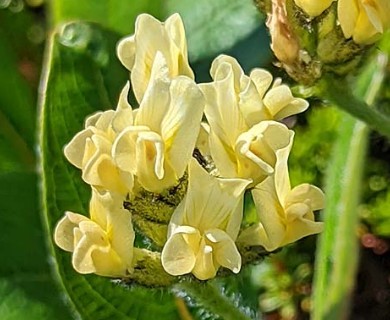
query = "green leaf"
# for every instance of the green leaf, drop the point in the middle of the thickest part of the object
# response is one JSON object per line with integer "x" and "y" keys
{"x": 17, "y": 103}
{"x": 116, "y": 15}
{"x": 79, "y": 80}
{"x": 26, "y": 284}
{"x": 27, "y": 288}
{"x": 337, "y": 255}
{"x": 213, "y": 27}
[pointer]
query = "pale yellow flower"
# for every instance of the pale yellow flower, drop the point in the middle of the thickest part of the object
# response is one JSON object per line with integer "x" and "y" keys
{"x": 204, "y": 227}
{"x": 364, "y": 20}
{"x": 313, "y": 7}
{"x": 256, "y": 97}
{"x": 285, "y": 214}
{"x": 159, "y": 144}
{"x": 243, "y": 140}
{"x": 102, "y": 244}
{"x": 137, "y": 52}
{"x": 90, "y": 149}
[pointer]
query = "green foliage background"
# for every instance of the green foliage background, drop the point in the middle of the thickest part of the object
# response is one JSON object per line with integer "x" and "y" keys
{"x": 73, "y": 43}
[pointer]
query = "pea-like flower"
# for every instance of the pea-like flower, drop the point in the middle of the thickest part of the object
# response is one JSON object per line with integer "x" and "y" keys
{"x": 90, "y": 150}
{"x": 137, "y": 52}
{"x": 102, "y": 244}
{"x": 364, "y": 20}
{"x": 285, "y": 215}
{"x": 255, "y": 96}
{"x": 204, "y": 227}
{"x": 243, "y": 138}
{"x": 313, "y": 8}
{"x": 157, "y": 147}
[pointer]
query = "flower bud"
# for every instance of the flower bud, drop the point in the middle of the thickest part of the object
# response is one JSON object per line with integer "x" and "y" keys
{"x": 313, "y": 37}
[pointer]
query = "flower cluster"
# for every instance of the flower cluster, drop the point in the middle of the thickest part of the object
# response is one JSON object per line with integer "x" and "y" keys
{"x": 363, "y": 20}
{"x": 243, "y": 147}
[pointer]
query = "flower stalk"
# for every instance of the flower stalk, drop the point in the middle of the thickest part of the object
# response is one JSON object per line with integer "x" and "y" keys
{"x": 335, "y": 270}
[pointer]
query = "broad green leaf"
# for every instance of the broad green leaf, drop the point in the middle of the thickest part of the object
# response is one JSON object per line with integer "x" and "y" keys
{"x": 117, "y": 15}
{"x": 213, "y": 27}
{"x": 26, "y": 283}
{"x": 27, "y": 289}
{"x": 79, "y": 80}
{"x": 337, "y": 256}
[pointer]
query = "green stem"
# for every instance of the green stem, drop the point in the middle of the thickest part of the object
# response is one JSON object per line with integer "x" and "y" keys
{"x": 337, "y": 92}
{"x": 337, "y": 255}
{"x": 209, "y": 297}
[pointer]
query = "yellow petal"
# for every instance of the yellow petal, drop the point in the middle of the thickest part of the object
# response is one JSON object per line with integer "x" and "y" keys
{"x": 104, "y": 121}
{"x": 75, "y": 149}
{"x": 262, "y": 80}
{"x": 281, "y": 103}
{"x": 124, "y": 114}
{"x": 364, "y": 20}
{"x": 271, "y": 230}
{"x": 313, "y": 7}
{"x": 92, "y": 119}
{"x": 225, "y": 250}
{"x": 224, "y": 156}
{"x": 251, "y": 100}
{"x": 222, "y": 110}
{"x": 101, "y": 171}
{"x": 181, "y": 124}
{"x": 373, "y": 15}
{"x": 92, "y": 237}
{"x": 223, "y": 66}
{"x": 300, "y": 229}
{"x": 124, "y": 148}
{"x": 153, "y": 172}
{"x": 175, "y": 28}
{"x": 152, "y": 36}
{"x": 121, "y": 235}
{"x": 155, "y": 103}
{"x": 150, "y": 156}
{"x": 282, "y": 179}
{"x": 226, "y": 122}
{"x": 306, "y": 192}
{"x": 63, "y": 232}
{"x": 178, "y": 256}
{"x": 251, "y": 151}
{"x": 107, "y": 263}
{"x": 205, "y": 267}
{"x": 126, "y": 52}
{"x": 246, "y": 91}
{"x": 257, "y": 149}
{"x": 211, "y": 202}
{"x": 348, "y": 12}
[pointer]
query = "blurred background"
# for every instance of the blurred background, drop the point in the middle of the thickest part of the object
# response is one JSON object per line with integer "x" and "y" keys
{"x": 279, "y": 287}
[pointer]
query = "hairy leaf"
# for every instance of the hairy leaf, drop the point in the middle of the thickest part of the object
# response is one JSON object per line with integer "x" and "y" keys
{"x": 78, "y": 82}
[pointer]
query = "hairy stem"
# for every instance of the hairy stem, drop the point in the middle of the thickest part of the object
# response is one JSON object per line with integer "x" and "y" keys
{"x": 338, "y": 250}
{"x": 209, "y": 297}
{"x": 338, "y": 93}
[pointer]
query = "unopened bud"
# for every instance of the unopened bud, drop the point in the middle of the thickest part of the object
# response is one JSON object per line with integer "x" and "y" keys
{"x": 284, "y": 42}
{"x": 312, "y": 37}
